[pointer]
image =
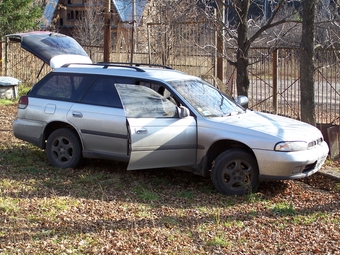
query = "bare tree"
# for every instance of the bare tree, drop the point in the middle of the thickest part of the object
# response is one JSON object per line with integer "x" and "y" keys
{"x": 271, "y": 30}
{"x": 88, "y": 29}
{"x": 327, "y": 26}
{"x": 239, "y": 30}
{"x": 247, "y": 31}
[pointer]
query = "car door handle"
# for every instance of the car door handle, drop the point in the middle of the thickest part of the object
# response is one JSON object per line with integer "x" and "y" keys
{"x": 141, "y": 131}
{"x": 77, "y": 114}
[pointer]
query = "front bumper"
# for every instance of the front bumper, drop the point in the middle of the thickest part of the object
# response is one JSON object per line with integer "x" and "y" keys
{"x": 274, "y": 165}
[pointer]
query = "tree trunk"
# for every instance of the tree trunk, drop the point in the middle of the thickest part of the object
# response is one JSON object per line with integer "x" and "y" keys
{"x": 307, "y": 62}
{"x": 242, "y": 80}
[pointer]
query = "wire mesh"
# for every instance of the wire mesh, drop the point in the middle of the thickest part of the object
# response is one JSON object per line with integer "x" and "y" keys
{"x": 186, "y": 49}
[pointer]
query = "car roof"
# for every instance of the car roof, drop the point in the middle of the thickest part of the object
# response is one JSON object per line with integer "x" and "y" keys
{"x": 152, "y": 73}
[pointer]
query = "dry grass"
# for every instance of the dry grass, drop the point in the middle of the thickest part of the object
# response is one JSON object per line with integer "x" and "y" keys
{"x": 103, "y": 209}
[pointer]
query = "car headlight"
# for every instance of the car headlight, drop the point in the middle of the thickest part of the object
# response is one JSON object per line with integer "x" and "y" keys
{"x": 291, "y": 146}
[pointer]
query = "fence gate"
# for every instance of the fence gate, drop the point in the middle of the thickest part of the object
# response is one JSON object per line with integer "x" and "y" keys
{"x": 184, "y": 46}
{"x": 275, "y": 83}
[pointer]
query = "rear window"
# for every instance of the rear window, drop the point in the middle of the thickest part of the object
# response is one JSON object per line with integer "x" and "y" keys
{"x": 70, "y": 87}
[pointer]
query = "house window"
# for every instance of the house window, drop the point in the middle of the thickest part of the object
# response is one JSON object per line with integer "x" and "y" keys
{"x": 61, "y": 21}
{"x": 70, "y": 15}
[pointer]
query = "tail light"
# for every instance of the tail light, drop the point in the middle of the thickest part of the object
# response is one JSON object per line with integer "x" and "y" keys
{"x": 23, "y": 102}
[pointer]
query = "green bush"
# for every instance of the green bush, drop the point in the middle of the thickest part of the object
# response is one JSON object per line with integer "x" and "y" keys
{"x": 23, "y": 89}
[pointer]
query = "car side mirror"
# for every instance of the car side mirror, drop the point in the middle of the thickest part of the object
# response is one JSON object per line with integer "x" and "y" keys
{"x": 183, "y": 112}
{"x": 242, "y": 100}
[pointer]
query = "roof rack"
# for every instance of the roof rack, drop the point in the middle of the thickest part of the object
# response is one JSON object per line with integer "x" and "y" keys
{"x": 106, "y": 65}
{"x": 132, "y": 64}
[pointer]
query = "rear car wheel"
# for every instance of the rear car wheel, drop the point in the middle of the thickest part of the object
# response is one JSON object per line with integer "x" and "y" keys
{"x": 63, "y": 148}
{"x": 235, "y": 172}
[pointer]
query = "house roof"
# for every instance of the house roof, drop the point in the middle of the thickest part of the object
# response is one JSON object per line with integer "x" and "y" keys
{"x": 49, "y": 11}
{"x": 127, "y": 11}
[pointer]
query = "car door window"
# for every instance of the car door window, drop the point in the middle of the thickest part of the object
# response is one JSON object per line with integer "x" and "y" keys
{"x": 103, "y": 93}
{"x": 143, "y": 102}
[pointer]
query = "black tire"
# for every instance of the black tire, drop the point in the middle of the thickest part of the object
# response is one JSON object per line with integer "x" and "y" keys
{"x": 235, "y": 172}
{"x": 63, "y": 148}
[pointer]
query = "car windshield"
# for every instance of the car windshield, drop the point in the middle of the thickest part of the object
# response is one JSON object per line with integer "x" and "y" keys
{"x": 206, "y": 99}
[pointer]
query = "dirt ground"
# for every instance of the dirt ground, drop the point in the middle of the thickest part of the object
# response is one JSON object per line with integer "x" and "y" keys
{"x": 104, "y": 209}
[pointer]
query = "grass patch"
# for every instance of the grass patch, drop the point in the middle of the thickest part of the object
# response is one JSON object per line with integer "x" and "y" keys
{"x": 146, "y": 193}
{"x": 16, "y": 188}
{"x": 161, "y": 181}
{"x": 337, "y": 186}
{"x": 9, "y": 205}
{"x": 23, "y": 155}
{"x": 254, "y": 198}
{"x": 100, "y": 208}
{"x": 284, "y": 209}
{"x": 308, "y": 219}
{"x": 50, "y": 209}
{"x": 234, "y": 223}
{"x": 143, "y": 211}
{"x": 170, "y": 221}
{"x": 186, "y": 194}
{"x": 90, "y": 178}
{"x": 43, "y": 235}
{"x": 8, "y": 101}
{"x": 219, "y": 241}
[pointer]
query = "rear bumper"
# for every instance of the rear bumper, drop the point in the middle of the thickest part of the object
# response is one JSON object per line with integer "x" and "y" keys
{"x": 275, "y": 165}
{"x": 30, "y": 131}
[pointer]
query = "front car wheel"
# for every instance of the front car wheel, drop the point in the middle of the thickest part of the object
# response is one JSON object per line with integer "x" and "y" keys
{"x": 235, "y": 172}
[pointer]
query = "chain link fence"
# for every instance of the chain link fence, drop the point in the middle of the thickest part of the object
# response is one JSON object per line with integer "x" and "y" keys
{"x": 274, "y": 74}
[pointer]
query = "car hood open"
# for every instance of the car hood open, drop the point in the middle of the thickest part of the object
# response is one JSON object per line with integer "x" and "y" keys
{"x": 53, "y": 48}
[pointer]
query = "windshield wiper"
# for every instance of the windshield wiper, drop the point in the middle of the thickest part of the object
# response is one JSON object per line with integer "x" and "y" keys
{"x": 233, "y": 113}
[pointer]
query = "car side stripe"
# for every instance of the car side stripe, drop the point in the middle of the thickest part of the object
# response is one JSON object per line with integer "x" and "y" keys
{"x": 91, "y": 132}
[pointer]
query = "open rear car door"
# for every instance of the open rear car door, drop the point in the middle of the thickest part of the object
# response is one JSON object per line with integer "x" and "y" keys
{"x": 53, "y": 48}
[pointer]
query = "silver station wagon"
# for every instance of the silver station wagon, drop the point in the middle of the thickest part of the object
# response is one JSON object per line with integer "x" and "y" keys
{"x": 154, "y": 117}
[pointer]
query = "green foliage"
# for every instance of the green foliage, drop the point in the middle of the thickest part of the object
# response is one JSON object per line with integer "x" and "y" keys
{"x": 145, "y": 193}
{"x": 284, "y": 209}
{"x": 23, "y": 89}
{"x": 218, "y": 241}
{"x": 186, "y": 194}
{"x": 337, "y": 186}
{"x": 9, "y": 205}
{"x": 7, "y": 102}
{"x": 19, "y": 16}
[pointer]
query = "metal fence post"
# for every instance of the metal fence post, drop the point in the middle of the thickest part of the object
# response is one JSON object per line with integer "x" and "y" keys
{"x": 275, "y": 90}
{"x": 149, "y": 43}
{"x": 107, "y": 32}
{"x": 5, "y": 61}
{"x": 1, "y": 44}
{"x": 220, "y": 41}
